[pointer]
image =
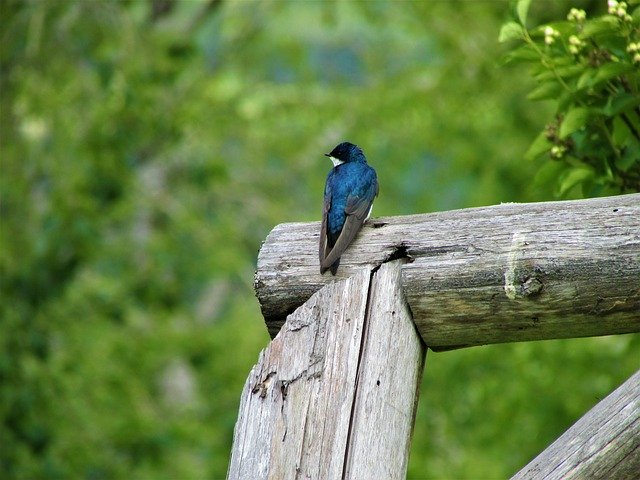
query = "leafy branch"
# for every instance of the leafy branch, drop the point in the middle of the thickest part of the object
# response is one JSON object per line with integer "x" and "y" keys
{"x": 590, "y": 69}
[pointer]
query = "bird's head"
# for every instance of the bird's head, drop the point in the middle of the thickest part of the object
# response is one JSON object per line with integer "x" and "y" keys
{"x": 346, "y": 152}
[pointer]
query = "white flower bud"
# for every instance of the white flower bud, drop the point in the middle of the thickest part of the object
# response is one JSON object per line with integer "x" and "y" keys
{"x": 576, "y": 15}
{"x": 557, "y": 151}
{"x": 549, "y": 35}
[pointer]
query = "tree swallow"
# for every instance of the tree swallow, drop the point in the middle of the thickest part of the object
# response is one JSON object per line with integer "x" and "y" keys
{"x": 348, "y": 197}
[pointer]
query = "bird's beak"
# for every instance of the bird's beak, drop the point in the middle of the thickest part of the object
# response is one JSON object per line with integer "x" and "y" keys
{"x": 327, "y": 154}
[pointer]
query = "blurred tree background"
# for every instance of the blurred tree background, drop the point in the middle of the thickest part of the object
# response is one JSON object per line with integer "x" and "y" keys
{"x": 148, "y": 147}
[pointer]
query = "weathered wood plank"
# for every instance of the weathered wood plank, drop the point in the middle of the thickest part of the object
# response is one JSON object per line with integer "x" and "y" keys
{"x": 296, "y": 405}
{"x": 334, "y": 394}
{"x": 603, "y": 444}
{"x": 388, "y": 380}
{"x": 510, "y": 272}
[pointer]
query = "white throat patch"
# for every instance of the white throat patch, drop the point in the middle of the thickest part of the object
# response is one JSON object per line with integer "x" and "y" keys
{"x": 335, "y": 161}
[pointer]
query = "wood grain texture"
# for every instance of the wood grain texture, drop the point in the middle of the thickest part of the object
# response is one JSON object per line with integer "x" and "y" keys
{"x": 603, "y": 444}
{"x": 389, "y": 376}
{"x": 510, "y": 272}
{"x": 330, "y": 391}
{"x": 296, "y": 405}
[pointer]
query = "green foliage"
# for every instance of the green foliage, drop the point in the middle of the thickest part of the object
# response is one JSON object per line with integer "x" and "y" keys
{"x": 590, "y": 68}
{"x": 463, "y": 418}
{"x": 148, "y": 147}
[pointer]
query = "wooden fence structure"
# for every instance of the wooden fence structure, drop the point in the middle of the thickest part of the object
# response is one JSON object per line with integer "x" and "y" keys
{"x": 334, "y": 395}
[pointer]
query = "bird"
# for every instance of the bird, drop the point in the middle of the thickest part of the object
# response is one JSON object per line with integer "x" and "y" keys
{"x": 349, "y": 192}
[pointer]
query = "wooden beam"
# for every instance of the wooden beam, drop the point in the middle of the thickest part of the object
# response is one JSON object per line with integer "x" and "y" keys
{"x": 510, "y": 272}
{"x": 334, "y": 394}
{"x": 603, "y": 444}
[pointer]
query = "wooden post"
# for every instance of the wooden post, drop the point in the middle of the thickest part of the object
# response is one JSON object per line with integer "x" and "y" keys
{"x": 334, "y": 395}
{"x": 603, "y": 444}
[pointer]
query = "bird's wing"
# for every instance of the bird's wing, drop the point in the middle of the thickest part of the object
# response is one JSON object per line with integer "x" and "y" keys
{"x": 323, "y": 229}
{"x": 357, "y": 209}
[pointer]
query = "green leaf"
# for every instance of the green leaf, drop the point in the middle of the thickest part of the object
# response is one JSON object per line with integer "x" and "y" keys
{"x": 565, "y": 72}
{"x": 630, "y": 155}
{"x": 510, "y": 31}
{"x": 620, "y": 132}
{"x": 612, "y": 70}
{"x": 549, "y": 89}
{"x": 539, "y": 146}
{"x": 586, "y": 80}
{"x": 566, "y": 100}
{"x": 575, "y": 119}
{"x": 574, "y": 177}
{"x": 570, "y": 70}
{"x": 548, "y": 173}
{"x": 525, "y": 53}
{"x": 523, "y": 8}
{"x": 620, "y": 103}
{"x": 599, "y": 25}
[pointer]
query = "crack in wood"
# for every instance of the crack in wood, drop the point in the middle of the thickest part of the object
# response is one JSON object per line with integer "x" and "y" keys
{"x": 263, "y": 386}
{"x": 363, "y": 339}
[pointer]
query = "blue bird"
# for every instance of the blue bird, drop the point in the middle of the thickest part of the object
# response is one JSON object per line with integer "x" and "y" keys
{"x": 348, "y": 197}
